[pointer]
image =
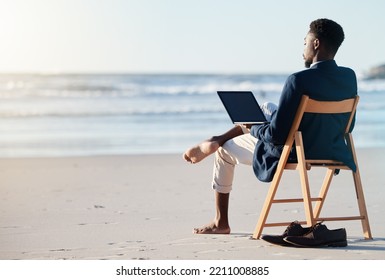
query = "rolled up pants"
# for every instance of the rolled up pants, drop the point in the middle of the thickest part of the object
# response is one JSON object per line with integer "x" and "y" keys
{"x": 235, "y": 151}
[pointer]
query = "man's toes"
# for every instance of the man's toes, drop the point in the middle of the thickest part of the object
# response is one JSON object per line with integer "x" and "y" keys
{"x": 187, "y": 158}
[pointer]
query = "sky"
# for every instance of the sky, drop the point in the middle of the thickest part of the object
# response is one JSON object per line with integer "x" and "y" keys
{"x": 181, "y": 36}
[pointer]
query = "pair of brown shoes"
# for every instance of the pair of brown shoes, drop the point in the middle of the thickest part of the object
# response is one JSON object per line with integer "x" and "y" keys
{"x": 315, "y": 236}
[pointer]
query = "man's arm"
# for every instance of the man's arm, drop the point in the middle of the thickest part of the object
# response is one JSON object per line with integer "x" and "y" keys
{"x": 277, "y": 130}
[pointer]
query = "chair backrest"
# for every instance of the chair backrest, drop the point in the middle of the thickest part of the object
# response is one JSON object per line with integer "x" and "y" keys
{"x": 308, "y": 105}
{"x": 334, "y": 107}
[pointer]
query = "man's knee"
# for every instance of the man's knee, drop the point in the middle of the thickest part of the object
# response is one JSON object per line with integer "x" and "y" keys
{"x": 224, "y": 154}
{"x": 222, "y": 151}
{"x": 269, "y": 108}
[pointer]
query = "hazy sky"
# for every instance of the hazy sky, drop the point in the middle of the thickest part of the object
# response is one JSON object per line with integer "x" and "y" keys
{"x": 238, "y": 36}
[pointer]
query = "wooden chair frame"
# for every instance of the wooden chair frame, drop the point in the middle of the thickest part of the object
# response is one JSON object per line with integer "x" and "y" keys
{"x": 308, "y": 105}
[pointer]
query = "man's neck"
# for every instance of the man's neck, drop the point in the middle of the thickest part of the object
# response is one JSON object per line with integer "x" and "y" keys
{"x": 322, "y": 56}
{"x": 319, "y": 61}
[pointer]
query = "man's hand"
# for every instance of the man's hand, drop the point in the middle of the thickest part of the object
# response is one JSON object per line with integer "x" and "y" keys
{"x": 248, "y": 126}
{"x": 245, "y": 127}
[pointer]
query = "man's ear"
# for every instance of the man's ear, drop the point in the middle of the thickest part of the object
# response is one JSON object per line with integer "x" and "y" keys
{"x": 316, "y": 44}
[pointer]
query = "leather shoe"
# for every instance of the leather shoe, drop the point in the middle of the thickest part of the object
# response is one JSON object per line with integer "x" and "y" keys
{"x": 294, "y": 229}
{"x": 318, "y": 236}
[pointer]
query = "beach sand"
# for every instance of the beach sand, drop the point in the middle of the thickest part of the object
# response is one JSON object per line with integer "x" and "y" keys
{"x": 145, "y": 207}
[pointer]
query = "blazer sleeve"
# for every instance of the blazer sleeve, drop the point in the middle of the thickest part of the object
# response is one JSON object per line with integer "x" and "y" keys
{"x": 277, "y": 130}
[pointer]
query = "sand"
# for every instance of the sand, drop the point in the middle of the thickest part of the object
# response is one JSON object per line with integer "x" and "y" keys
{"x": 145, "y": 207}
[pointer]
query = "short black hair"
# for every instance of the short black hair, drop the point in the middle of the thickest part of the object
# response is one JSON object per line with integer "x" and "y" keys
{"x": 328, "y": 31}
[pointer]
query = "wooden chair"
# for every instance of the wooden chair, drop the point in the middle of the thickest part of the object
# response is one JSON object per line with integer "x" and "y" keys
{"x": 308, "y": 105}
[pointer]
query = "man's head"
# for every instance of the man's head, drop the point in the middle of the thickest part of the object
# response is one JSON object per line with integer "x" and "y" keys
{"x": 322, "y": 41}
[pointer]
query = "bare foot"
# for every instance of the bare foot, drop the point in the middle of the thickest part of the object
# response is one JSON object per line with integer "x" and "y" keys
{"x": 212, "y": 229}
{"x": 201, "y": 151}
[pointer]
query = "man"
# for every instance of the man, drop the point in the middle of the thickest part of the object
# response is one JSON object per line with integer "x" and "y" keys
{"x": 261, "y": 145}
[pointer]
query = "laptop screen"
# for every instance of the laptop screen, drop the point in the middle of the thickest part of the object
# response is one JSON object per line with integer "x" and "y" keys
{"x": 242, "y": 107}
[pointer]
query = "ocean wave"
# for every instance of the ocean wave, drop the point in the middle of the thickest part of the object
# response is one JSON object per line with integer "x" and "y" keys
{"x": 108, "y": 113}
{"x": 211, "y": 88}
{"x": 371, "y": 86}
{"x": 94, "y": 86}
{"x": 365, "y": 112}
{"x": 42, "y": 114}
{"x": 142, "y": 91}
{"x": 91, "y": 86}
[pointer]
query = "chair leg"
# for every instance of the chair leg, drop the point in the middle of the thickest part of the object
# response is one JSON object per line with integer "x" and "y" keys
{"x": 359, "y": 191}
{"x": 304, "y": 180}
{"x": 267, "y": 205}
{"x": 323, "y": 192}
{"x": 362, "y": 205}
{"x": 272, "y": 191}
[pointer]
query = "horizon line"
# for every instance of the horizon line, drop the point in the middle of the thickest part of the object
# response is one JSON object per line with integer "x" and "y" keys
{"x": 92, "y": 72}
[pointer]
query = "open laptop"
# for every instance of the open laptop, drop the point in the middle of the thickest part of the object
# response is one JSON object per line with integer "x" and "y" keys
{"x": 242, "y": 107}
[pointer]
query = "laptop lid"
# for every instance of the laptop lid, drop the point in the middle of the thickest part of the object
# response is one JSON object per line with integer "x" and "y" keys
{"x": 242, "y": 107}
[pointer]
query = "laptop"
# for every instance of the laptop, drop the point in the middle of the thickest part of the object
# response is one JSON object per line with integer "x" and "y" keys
{"x": 242, "y": 107}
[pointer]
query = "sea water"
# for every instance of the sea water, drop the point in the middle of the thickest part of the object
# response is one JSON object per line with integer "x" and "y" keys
{"x": 46, "y": 115}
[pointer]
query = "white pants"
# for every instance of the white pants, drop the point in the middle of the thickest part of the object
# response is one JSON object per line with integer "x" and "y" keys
{"x": 237, "y": 150}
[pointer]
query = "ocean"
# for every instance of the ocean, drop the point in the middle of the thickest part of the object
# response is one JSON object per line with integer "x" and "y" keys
{"x": 51, "y": 115}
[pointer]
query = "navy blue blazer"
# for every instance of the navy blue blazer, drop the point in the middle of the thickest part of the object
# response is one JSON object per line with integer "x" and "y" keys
{"x": 324, "y": 81}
